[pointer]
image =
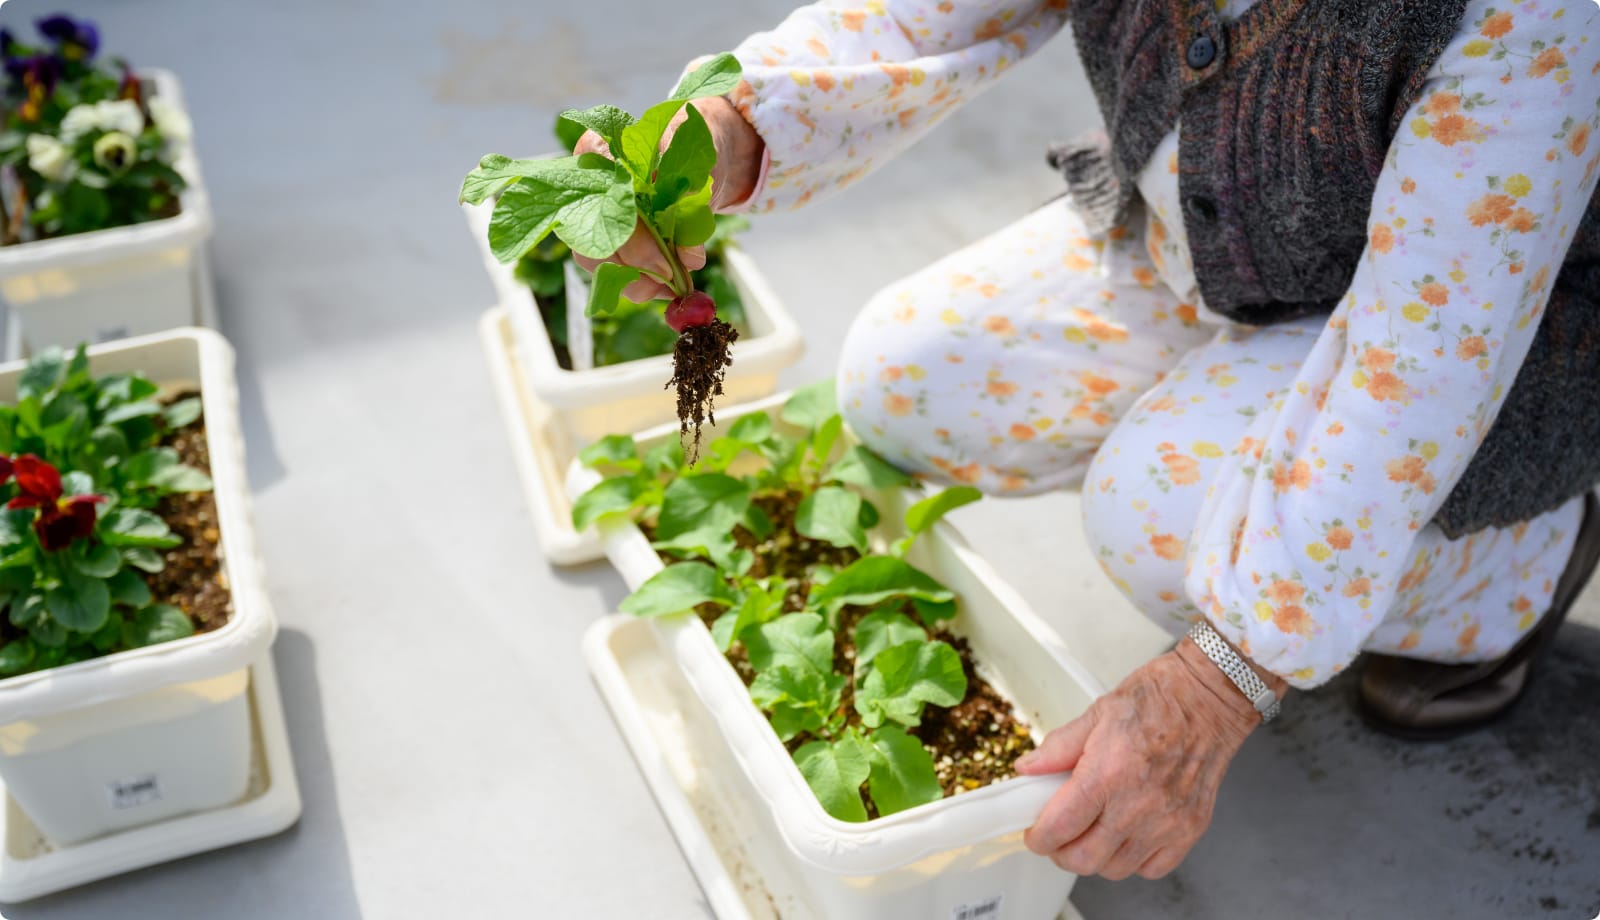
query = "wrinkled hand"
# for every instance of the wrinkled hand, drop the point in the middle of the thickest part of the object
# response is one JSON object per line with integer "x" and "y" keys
{"x": 733, "y": 179}
{"x": 1146, "y": 761}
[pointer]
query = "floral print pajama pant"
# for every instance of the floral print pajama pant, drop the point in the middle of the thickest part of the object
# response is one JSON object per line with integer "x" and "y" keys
{"x": 1040, "y": 359}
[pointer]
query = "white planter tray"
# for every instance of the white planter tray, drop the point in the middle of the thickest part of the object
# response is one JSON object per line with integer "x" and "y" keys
{"x": 123, "y": 281}
{"x": 540, "y": 446}
{"x": 625, "y": 397}
{"x": 935, "y": 860}
{"x": 30, "y": 867}
{"x": 726, "y": 834}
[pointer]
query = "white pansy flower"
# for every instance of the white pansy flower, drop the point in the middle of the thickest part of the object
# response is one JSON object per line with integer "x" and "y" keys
{"x": 107, "y": 115}
{"x": 48, "y": 157}
{"x": 172, "y": 122}
{"x": 114, "y": 152}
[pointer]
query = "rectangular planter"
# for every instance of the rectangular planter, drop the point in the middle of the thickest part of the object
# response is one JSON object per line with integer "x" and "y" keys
{"x": 124, "y": 281}
{"x": 147, "y": 734}
{"x": 951, "y": 858}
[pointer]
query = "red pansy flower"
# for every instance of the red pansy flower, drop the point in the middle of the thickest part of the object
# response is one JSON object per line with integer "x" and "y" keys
{"x": 61, "y": 520}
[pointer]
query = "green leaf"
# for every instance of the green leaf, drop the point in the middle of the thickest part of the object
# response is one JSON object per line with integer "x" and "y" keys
{"x": 686, "y": 163}
{"x": 752, "y": 428}
{"x": 926, "y": 513}
{"x": 799, "y": 699}
{"x": 799, "y": 640}
{"x": 109, "y": 443}
{"x": 905, "y": 677}
{"x": 824, "y": 436}
{"x": 128, "y": 588}
{"x": 608, "y": 121}
{"x": 610, "y": 496}
{"x": 183, "y": 413}
{"x": 883, "y": 629}
{"x": 15, "y": 657}
{"x": 96, "y": 561}
{"x": 144, "y": 465}
{"x": 495, "y": 172}
{"x": 665, "y": 456}
{"x": 597, "y": 226}
{"x": 616, "y": 450}
{"x": 143, "y": 558}
{"x": 718, "y": 75}
{"x": 584, "y": 199}
{"x": 605, "y": 290}
{"x": 931, "y": 612}
{"x": 875, "y": 578}
{"x": 903, "y": 775}
{"x": 760, "y": 605}
{"x": 676, "y": 589}
{"x": 705, "y": 502}
{"x": 155, "y": 624}
{"x": 43, "y": 372}
{"x": 811, "y": 405}
{"x": 77, "y": 482}
{"x": 81, "y": 604}
{"x": 641, "y": 141}
{"x": 835, "y": 772}
{"x": 690, "y": 221}
{"x": 136, "y": 527}
{"x": 832, "y": 515}
{"x": 859, "y": 466}
{"x": 181, "y": 478}
{"x": 131, "y": 410}
{"x": 568, "y": 132}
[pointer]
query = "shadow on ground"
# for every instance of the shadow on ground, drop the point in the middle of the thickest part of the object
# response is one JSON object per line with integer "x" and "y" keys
{"x": 1322, "y": 812}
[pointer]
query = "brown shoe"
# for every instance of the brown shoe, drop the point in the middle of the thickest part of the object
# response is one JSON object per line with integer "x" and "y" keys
{"x": 1425, "y": 701}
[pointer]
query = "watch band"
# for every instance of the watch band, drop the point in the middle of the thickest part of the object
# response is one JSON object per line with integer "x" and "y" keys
{"x": 1243, "y": 676}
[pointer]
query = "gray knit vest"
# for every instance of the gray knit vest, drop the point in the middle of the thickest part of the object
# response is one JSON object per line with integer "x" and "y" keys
{"x": 1286, "y": 115}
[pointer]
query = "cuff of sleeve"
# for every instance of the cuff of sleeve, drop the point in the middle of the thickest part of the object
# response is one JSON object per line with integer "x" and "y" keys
{"x": 760, "y": 186}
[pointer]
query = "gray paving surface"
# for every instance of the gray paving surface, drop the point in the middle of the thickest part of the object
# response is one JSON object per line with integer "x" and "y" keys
{"x": 454, "y": 758}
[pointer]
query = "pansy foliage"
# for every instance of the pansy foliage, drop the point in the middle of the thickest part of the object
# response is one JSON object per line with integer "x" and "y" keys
{"x": 82, "y": 469}
{"x": 847, "y": 727}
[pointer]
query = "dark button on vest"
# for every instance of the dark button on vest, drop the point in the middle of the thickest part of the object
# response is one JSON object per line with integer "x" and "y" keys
{"x": 1202, "y": 51}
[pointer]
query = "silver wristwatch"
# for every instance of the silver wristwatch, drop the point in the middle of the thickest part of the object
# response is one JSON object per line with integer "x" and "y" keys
{"x": 1243, "y": 676}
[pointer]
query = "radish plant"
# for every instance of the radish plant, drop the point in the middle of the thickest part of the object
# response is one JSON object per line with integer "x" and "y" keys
{"x": 593, "y": 204}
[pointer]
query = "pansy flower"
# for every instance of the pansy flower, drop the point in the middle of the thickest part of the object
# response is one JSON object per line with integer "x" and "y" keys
{"x": 76, "y": 39}
{"x": 61, "y": 520}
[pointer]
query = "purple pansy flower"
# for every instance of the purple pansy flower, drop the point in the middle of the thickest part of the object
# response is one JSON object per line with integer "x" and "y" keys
{"x": 76, "y": 39}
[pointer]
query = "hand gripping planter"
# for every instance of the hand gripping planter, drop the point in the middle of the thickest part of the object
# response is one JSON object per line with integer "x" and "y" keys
{"x": 959, "y": 857}
{"x": 148, "y": 734}
{"x": 552, "y": 413}
{"x": 122, "y": 281}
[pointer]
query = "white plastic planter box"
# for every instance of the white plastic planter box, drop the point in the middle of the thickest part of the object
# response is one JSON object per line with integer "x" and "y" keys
{"x": 551, "y": 413}
{"x": 148, "y": 734}
{"x": 124, "y": 281}
{"x": 937, "y": 860}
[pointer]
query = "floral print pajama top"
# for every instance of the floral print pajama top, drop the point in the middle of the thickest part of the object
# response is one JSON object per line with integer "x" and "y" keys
{"x": 1278, "y": 480}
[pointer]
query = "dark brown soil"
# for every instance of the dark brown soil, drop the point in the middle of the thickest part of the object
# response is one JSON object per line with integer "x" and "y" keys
{"x": 974, "y": 743}
{"x": 699, "y": 361}
{"x": 548, "y": 307}
{"x": 193, "y": 579}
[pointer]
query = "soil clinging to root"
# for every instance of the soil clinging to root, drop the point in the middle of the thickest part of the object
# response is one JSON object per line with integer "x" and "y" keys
{"x": 699, "y": 362}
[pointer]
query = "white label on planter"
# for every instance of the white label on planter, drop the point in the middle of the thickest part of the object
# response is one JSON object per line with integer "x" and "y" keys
{"x": 987, "y": 909}
{"x": 131, "y": 793}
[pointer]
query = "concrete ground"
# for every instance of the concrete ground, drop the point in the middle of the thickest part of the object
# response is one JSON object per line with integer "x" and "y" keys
{"x": 454, "y": 758}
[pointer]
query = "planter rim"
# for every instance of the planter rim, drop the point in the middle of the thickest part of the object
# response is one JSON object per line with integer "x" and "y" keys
{"x": 189, "y": 226}
{"x": 251, "y": 626}
{"x": 836, "y": 846}
{"x": 560, "y": 388}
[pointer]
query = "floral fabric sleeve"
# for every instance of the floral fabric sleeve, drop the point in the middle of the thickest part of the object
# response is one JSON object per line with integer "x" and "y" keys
{"x": 841, "y": 86}
{"x": 1298, "y": 559}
